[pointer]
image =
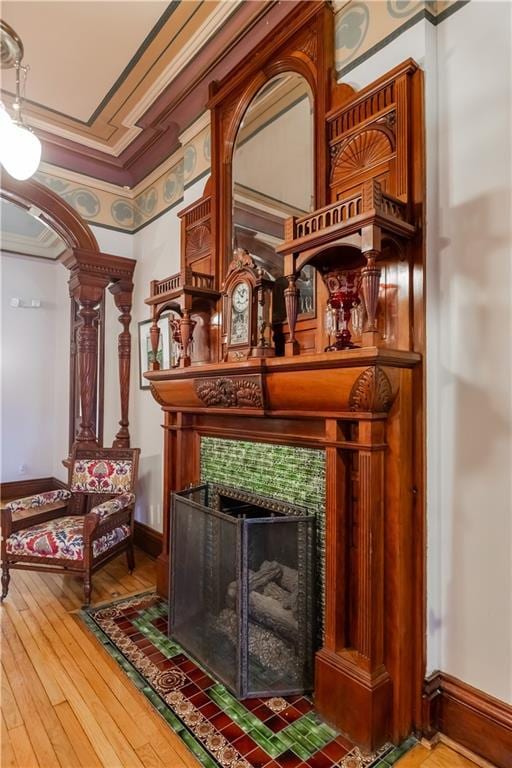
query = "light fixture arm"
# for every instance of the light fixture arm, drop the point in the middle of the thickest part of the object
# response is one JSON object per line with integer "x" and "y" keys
{"x": 20, "y": 148}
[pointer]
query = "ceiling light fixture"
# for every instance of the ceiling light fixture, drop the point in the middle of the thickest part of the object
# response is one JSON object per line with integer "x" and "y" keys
{"x": 20, "y": 149}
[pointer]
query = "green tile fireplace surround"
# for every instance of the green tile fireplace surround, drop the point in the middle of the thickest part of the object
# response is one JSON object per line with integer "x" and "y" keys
{"x": 284, "y": 472}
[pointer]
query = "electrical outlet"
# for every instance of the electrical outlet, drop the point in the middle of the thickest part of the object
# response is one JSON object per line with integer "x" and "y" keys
{"x": 22, "y": 469}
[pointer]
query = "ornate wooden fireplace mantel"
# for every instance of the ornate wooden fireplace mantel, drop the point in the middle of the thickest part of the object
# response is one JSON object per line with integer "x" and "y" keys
{"x": 357, "y": 406}
{"x": 358, "y": 259}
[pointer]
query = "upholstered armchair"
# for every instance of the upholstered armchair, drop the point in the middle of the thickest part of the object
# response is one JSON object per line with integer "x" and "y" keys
{"x": 79, "y": 529}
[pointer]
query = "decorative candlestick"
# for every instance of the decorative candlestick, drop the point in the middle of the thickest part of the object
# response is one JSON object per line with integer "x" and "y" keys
{"x": 344, "y": 296}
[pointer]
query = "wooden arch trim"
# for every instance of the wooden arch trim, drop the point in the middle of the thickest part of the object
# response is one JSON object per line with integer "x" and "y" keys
{"x": 55, "y": 212}
{"x": 91, "y": 272}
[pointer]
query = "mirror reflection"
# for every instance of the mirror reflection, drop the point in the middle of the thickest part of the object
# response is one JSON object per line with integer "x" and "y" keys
{"x": 273, "y": 167}
{"x": 23, "y": 233}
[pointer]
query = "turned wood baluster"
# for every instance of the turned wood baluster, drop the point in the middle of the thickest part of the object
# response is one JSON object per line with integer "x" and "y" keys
{"x": 122, "y": 293}
{"x": 154, "y": 337}
{"x": 370, "y": 289}
{"x": 187, "y": 326}
{"x": 291, "y": 302}
{"x": 88, "y": 366}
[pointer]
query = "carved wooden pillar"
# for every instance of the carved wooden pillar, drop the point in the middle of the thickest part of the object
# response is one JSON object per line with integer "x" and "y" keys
{"x": 370, "y": 274}
{"x": 90, "y": 273}
{"x": 370, "y": 289}
{"x": 351, "y": 663}
{"x": 335, "y": 554}
{"x": 369, "y": 636}
{"x": 187, "y": 326}
{"x": 122, "y": 292}
{"x": 180, "y": 469}
{"x": 88, "y": 298}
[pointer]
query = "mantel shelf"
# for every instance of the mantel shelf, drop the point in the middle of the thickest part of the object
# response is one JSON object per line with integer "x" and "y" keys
{"x": 323, "y": 385}
{"x": 349, "y": 358}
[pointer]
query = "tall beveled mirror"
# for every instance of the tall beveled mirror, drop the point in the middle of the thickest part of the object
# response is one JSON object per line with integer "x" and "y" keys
{"x": 273, "y": 175}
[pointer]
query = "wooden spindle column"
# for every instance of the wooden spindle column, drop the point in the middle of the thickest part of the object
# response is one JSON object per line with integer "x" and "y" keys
{"x": 123, "y": 292}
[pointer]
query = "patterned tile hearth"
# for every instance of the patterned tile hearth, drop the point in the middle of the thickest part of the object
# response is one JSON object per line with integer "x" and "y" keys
{"x": 217, "y": 728}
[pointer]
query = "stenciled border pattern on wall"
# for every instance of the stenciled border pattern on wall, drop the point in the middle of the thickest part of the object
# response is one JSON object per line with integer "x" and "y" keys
{"x": 361, "y": 29}
{"x": 284, "y": 472}
{"x": 129, "y": 210}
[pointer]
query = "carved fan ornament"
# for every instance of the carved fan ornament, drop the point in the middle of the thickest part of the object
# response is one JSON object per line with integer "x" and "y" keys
{"x": 371, "y": 392}
{"x": 223, "y": 392}
{"x": 309, "y": 46}
{"x": 364, "y": 150}
{"x": 198, "y": 240}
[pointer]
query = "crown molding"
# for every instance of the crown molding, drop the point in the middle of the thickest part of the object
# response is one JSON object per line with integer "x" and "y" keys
{"x": 178, "y": 106}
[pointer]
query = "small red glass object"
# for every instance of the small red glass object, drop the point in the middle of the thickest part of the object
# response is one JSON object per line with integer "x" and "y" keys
{"x": 344, "y": 296}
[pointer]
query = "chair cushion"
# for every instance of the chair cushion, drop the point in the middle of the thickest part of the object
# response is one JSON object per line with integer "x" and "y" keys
{"x": 101, "y": 476}
{"x": 61, "y": 538}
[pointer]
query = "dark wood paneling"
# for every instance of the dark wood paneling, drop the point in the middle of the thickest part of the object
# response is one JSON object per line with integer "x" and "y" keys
{"x": 149, "y": 540}
{"x": 470, "y": 717}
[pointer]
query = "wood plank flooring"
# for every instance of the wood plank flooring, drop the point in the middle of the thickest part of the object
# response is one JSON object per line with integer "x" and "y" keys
{"x": 65, "y": 702}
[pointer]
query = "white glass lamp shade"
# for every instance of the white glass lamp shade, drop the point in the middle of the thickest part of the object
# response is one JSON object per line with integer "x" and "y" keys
{"x": 5, "y": 131}
{"x": 20, "y": 151}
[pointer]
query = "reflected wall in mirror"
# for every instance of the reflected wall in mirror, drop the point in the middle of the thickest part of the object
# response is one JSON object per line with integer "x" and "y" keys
{"x": 24, "y": 234}
{"x": 273, "y": 178}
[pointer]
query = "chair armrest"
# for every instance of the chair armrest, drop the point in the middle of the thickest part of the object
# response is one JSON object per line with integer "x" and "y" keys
{"x": 31, "y": 510}
{"x": 38, "y": 500}
{"x": 117, "y": 504}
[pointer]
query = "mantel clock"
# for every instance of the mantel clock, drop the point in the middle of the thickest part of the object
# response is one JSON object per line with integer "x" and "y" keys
{"x": 247, "y": 310}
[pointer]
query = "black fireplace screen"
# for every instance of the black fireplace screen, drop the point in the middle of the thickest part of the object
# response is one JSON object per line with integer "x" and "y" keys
{"x": 241, "y": 588}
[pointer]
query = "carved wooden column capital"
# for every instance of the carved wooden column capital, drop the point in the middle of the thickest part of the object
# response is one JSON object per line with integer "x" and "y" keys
{"x": 122, "y": 292}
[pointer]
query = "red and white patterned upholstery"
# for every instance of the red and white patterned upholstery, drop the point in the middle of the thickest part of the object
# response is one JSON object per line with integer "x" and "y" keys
{"x": 101, "y": 476}
{"x": 63, "y": 537}
{"x": 114, "y": 505}
{"x": 39, "y": 500}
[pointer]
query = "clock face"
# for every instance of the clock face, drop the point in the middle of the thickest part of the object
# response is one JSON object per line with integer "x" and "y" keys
{"x": 240, "y": 314}
{"x": 241, "y": 297}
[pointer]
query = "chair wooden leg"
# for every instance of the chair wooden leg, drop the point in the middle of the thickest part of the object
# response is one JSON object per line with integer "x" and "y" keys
{"x": 87, "y": 589}
{"x": 130, "y": 557}
{"x": 6, "y": 577}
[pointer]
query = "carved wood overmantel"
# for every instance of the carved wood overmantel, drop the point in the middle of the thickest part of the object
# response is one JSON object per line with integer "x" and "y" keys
{"x": 361, "y": 403}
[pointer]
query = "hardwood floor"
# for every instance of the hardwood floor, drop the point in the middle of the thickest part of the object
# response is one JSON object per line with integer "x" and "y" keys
{"x": 441, "y": 756}
{"x": 65, "y": 702}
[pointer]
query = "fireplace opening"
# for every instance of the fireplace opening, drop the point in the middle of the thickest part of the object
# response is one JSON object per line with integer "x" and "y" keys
{"x": 242, "y": 588}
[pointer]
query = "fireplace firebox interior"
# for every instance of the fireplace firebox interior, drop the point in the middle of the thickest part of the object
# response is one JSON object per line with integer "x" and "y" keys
{"x": 242, "y": 588}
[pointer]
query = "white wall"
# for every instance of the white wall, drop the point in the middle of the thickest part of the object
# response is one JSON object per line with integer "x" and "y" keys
{"x": 471, "y": 294}
{"x": 34, "y": 369}
{"x": 469, "y": 355}
{"x": 157, "y": 249}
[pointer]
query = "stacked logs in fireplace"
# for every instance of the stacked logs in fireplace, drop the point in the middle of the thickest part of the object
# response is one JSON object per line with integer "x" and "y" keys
{"x": 241, "y": 588}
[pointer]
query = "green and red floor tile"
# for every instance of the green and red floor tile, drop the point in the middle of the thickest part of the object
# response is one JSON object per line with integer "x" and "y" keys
{"x": 218, "y": 729}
